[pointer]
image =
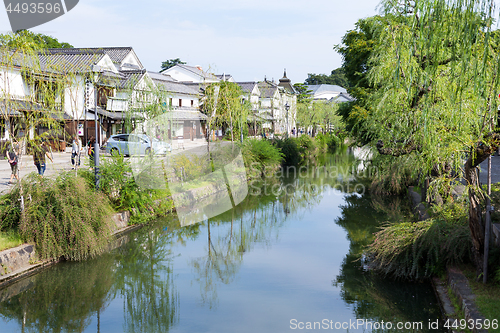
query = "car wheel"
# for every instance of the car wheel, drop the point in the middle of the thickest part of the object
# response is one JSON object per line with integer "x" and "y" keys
{"x": 114, "y": 152}
{"x": 148, "y": 151}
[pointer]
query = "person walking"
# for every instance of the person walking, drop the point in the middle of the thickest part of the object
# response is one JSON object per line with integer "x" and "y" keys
{"x": 91, "y": 151}
{"x": 13, "y": 161}
{"x": 76, "y": 147}
{"x": 39, "y": 154}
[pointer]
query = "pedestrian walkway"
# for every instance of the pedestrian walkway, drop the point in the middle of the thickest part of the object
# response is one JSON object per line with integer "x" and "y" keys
{"x": 62, "y": 162}
{"x": 495, "y": 170}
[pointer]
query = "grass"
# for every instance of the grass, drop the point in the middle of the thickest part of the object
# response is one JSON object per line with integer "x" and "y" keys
{"x": 9, "y": 239}
{"x": 459, "y": 313}
{"x": 487, "y": 296}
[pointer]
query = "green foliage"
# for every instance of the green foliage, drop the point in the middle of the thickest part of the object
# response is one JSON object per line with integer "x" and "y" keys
{"x": 260, "y": 154}
{"x": 327, "y": 142}
{"x": 64, "y": 217}
{"x": 303, "y": 94}
{"x": 223, "y": 105}
{"x": 307, "y": 146}
{"x": 10, "y": 212}
{"x": 356, "y": 49}
{"x": 190, "y": 167}
{"x": 10, "y": 239}
{"x": 171, "y": 63}
{"x": 41, "y": 40}
{"x": 290, "y": 150}
{"x": 336, "y": 77}
{"x": 319, "y": 113}
{"x": 418, "y": 250}
{"x": 119, "y": 185}
{"x": 393, "y": 175}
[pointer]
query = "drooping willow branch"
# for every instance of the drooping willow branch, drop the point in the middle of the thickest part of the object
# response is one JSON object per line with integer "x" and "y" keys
{"x": 407, "y": 149}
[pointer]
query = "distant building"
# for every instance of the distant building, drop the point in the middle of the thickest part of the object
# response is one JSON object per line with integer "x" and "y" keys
{"x": 329, "y": 92}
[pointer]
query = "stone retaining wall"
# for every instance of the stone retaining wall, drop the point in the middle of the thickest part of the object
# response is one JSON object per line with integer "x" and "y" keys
{"x": 20, "y": 262}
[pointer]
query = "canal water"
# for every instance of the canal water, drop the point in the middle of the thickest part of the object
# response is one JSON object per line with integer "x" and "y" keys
{"x": 288, "y": 258}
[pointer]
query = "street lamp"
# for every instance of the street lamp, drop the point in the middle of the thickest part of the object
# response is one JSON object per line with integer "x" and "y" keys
{"x": 287, "y": 107}
{"x": 241, "y": 118}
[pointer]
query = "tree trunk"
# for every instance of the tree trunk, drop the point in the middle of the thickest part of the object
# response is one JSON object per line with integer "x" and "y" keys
{"x": 476, "y": 224}
{"x": 479, "y": 153}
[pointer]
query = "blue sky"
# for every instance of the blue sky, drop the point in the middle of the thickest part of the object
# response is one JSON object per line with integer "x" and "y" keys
{"x": 247, "y": 39}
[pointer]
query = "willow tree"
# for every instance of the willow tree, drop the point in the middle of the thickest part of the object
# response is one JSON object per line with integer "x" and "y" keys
{"x": 435, "y": 70}
{"x": 223, "y": 104}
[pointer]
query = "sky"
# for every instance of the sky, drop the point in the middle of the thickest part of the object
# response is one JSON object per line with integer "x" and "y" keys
{"x": 248, "y": 39}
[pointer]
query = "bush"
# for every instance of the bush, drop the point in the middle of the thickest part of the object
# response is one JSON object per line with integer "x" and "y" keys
{"x": 10, "y": 212}
{"x": 262, "y": 154}
{"x": 290, "y": 150}
{"x": 118, "y": 184}
{"x": 418, "y": 250}
{"x": 327, "y": 142}
{"x": 64, "y": 217}
{"x": 307, "y": 146}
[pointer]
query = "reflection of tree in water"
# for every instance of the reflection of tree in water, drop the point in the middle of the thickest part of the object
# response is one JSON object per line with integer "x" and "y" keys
{"x": 259, "y": 218}
{"x": 144, "y": 279}
{"x": 63, "y": 298}
{"x": 373, "y": 297}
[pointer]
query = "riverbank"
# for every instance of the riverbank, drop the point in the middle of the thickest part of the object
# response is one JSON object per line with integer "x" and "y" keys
{"x": 22, "y": 261}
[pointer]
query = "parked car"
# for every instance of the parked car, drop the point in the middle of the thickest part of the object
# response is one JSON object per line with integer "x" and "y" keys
{"x": 136, "y": 144}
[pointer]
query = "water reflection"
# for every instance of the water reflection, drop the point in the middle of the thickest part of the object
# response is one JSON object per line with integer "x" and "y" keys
{"x": 144, "y": 279}
{"x": 147, "y": 284}
{"x": 373, "y": 297}
{"x": 63, "y": 298}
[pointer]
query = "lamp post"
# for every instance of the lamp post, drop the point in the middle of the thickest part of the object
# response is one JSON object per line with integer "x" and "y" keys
{"x": 287, "y": 107}
{"x": 96, "y": 70}
{"x": 241, "y": 118}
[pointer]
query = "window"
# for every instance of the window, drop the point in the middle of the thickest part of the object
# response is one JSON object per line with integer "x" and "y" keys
{"x": 46, "y": 92}
{"x": 170, "y": 102}
{"x": 102, "y": 96}
{"x": 192, "y": 103}
{"x": 180, "y": 102}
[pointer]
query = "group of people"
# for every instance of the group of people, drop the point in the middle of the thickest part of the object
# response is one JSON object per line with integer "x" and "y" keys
{"x": 41, "y": 152}
{"x": 76, "y": 151}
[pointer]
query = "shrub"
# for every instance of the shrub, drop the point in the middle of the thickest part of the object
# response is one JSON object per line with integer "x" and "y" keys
{"x": 10, "y": 212}
{"x": 118, "y": 184}
{"x": 261, "y": 152}
{"x": 64, "y": 217}
{"x": 418, "y": 250}
{"x": 327, "y": 142}
{"x": 307, "y": 146}
{"x": 290, "y": 150}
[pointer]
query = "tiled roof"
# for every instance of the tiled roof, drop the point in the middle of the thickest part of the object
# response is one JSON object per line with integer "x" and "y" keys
{"x": 69, "y": 60}
{"x": 247, "y": 87}
{"x": 161, "y": 77}
{"x": 176, "y": 87}
{"x": 117, "y": 54}
{"x": 267, "y": 89}
{"x": 318, "y": 88}
{"x": 197, "y": 71}
{"x": 130, "y": 78}
{"x": 223, "y": 76}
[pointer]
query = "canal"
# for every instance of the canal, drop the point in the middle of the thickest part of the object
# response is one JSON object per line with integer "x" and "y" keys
{"x": 288, "y": 258}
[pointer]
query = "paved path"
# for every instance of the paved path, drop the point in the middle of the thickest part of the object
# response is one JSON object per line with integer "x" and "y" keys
{"x": 62, "y": 161}
{"x": 495, "y": 170}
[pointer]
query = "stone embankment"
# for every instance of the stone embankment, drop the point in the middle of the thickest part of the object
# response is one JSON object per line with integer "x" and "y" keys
{"x": 21, "y": 262}
{"x": 456, "y": 280}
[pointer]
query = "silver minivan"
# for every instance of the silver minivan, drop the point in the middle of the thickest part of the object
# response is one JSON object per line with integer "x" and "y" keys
{"x": 136, "y": 144}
